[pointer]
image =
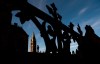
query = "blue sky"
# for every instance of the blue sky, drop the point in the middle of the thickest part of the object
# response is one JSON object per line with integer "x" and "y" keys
{"x": 77, "y": 11}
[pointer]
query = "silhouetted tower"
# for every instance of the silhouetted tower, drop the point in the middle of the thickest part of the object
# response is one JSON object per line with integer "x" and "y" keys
{"x": 33, "y": 43}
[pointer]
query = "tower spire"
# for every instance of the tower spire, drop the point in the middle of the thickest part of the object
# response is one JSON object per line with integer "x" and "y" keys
{"x": 33, "y": 43}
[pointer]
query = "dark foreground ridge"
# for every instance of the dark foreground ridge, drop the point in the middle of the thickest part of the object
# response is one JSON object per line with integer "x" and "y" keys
{"x": 14, "y": 41}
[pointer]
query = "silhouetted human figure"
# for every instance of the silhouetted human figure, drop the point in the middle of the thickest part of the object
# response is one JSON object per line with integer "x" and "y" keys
{"x": 37, "y": 48}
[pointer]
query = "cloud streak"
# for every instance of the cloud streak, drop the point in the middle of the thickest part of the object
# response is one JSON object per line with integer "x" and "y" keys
{"x": 96, "y": 24}
{"x": 82, "y": 11}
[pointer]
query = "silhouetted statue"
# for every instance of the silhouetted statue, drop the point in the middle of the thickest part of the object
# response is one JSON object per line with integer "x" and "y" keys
{"x": 56, "y": 22}
{"x": 66, "y": 42}
{"x": 71, "y": 26}
{"x": 47, "y": 40}
{"x": 73, "y": 35}
{"x": 79, "y": 30}
{"x": 24, "y": 16}
{"x": 92, "y": 40}
{"x": 65, "y": 39}
{"x": 51, "y": 32}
